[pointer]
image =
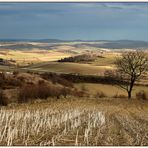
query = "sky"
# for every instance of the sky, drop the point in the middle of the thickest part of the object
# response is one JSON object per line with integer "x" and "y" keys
{"x": 71, "y": 21}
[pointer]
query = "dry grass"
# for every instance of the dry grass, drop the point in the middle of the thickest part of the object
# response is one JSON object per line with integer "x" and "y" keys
{"x": 64, "y": 122}
{"x": 110, "y": 90}
{"x": 46, "y": 126}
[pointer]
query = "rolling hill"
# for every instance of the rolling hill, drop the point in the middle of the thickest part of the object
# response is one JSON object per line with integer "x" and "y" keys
{"x": 51, "y": 43}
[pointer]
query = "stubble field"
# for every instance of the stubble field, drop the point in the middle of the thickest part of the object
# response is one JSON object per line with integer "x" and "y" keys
{"x": 72, "y": 121}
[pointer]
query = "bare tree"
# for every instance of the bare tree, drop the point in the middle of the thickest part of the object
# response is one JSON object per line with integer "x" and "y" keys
{"x": 130, "y": 68}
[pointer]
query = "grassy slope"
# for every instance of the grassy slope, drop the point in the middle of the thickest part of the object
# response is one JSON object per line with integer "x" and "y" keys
{"x": 68, "y": 67}
{"x": 109, "y": 90}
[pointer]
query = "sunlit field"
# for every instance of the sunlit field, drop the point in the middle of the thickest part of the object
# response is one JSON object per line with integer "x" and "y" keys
{"x": 109, "y": 90}
{"x": 32, "y": 56}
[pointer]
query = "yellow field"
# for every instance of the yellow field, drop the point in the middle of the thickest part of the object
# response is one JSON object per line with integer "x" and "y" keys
{"x": 32, "y": 56}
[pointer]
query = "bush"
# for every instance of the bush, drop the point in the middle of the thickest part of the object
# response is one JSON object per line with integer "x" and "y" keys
{"x": 100, "y": 94}
{"x": 56, "y": 79}
{"x": 43, "y": 91}
{"x": 41, "y": 82}
{"x": 6, "y": 82}
{"x": 77, "y": 93}
{"x": 21, "y": 78}
{"x": 14, "y": 82}
{"x": 15, "y": 73}
{"x": 2, "y": 79}
{"x": 141, "y": 95}
{"x": 27, "y": 93}
{"x": 3, "y": 99}
{"x": 64, "y": 82}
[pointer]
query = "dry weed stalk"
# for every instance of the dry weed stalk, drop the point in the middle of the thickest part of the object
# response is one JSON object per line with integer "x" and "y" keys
{"x": 23, "y": 127}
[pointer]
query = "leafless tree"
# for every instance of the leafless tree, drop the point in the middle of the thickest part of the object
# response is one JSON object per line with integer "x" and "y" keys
{"x": 130, "y": 68}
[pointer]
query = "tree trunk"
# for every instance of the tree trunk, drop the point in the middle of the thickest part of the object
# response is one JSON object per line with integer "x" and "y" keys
{"x": 129, "y": 94}
{"x": 131, "y": 87}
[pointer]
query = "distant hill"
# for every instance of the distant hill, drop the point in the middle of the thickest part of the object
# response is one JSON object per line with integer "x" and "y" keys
{"x": 119, "y": 44}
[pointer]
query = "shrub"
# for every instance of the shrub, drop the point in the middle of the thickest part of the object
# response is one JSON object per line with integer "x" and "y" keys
{"x": 64, "y": 82}
{"x": 56, "y": 79}
{"x": 14, "y": 82}
{"x": 77, "y": 93}
{"x": 43, "y": 91}
{"x": 2, "y": 79}
{"x": 3, "y": 99}
{"x": 6, "y": 82}
{"x": 141, "y": 95}
{"x": 21, "y": 78}
{"x": 15, "y": 72}
{"x": 41, "y": 82}
{"x": 100, "y": 94}
{"x": 27, "y": 93}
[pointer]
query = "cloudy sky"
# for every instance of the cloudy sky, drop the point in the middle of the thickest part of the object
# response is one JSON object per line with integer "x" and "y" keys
{"x": 102, "y": 21}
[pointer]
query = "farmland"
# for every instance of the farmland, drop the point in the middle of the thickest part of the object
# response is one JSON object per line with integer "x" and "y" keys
{"x": 55, "y": 111}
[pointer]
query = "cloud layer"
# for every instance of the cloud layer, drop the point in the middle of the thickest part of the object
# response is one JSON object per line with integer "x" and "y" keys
{"x": 74, "y": 20}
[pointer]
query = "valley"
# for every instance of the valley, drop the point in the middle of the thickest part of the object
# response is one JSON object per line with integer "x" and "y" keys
{"x": 64, "y": 87}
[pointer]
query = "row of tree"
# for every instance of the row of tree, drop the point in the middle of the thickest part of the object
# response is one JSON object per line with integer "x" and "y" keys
{"x": 79, "y": 58}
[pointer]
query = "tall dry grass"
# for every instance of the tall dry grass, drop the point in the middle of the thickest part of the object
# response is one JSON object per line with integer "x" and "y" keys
{"x": 29, "y": 127}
